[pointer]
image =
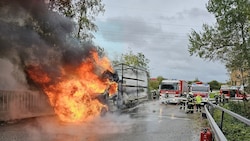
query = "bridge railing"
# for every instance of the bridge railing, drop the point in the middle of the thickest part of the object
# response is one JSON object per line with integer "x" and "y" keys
{"x": 23, "y": 104}
{"x": 218, "y": 130}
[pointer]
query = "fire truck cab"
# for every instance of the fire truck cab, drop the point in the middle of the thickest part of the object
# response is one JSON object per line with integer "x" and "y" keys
{"x": 201, "y": 88}
{"x": 171, "y": 90}
{"x": 231, "y": 92}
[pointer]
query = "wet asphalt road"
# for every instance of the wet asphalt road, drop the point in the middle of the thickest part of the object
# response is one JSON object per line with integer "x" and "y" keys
{"x": 150, "y": 121}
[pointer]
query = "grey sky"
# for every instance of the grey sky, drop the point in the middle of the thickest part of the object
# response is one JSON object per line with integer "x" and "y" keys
{"x": 159, "y": 29}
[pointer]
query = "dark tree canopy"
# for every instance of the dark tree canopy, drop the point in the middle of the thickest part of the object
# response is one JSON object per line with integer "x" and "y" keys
{"x": 83, "y": 12}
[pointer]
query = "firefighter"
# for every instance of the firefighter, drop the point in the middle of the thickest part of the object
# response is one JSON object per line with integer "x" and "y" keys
{"x": 245, "y": 97}
{"x": 198, "y": 100}
{"x": 183, "y": 101}
{"x": 223, "y": 98}
{"x": 183, "y": 104}
{"x": 190, "y": 103}
{"x": 154, "y": 94}
{"x": 216, "y": 99}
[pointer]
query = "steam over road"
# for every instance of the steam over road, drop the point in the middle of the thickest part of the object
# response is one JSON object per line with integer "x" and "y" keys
{"x": 149, "y": 121}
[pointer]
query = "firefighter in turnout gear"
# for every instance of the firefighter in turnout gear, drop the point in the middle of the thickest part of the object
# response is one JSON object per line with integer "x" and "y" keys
{"x": 183, "y": 101}
{"x": 190, "y": 104}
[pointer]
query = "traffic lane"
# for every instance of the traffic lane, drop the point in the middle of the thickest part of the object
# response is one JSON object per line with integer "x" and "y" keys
{"x": 158, "y": 122}
{"x": 149, "y": 121}
{"x": 154, "y": 121}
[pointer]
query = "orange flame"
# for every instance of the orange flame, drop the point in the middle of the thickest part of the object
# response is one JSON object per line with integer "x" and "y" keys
{"x": 74, "y": 96}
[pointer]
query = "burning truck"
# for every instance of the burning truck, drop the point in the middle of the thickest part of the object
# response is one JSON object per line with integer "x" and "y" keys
{"x": 78, "y": 82}
{"x": 79, "y": 92}
{"x": 46, "y": 59}
{"x": 77, "y": 96}
{"x": 74, "y": 100}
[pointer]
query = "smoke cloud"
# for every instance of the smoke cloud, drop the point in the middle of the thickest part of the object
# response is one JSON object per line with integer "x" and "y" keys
{"x": 33, "y": 35}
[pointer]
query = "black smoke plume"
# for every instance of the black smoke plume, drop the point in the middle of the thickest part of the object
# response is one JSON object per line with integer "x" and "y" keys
{"x": 30, "y": 34}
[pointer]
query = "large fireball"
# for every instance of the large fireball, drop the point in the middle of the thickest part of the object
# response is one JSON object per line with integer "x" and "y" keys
{"x": 73, "y": 94}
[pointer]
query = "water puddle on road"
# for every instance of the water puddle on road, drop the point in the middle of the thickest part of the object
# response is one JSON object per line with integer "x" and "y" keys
{"x": 159, "y": 116}
{"x": 152, "y": 117}
{"x": 158, "y": 112}
{"x": 172, "y": 115}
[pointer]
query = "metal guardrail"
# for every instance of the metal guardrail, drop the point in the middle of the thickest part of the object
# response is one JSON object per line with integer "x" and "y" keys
{"x": 218, "y": 131}
{"x": 239, "y": 117}
{"x": 219, "y": 136}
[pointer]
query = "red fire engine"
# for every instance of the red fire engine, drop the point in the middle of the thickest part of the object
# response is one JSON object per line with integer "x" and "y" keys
{"x": 231, "y": 92}
{"x": 201, "y": 88}
{"x": 171, "y": 90}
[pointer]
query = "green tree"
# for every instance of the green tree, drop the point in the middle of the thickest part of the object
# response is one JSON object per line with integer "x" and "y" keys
{"x": 160, "y": 78}
{"x": 81, "y": 11}
{"x": 137, "y": 60}
{"x": 154, "y": 84}
{"x": 215, "y": 85}
{"x": 228, "y": 40}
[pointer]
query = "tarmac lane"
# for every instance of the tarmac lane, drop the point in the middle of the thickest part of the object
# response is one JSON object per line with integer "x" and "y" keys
{"x": 150, "y": 121}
